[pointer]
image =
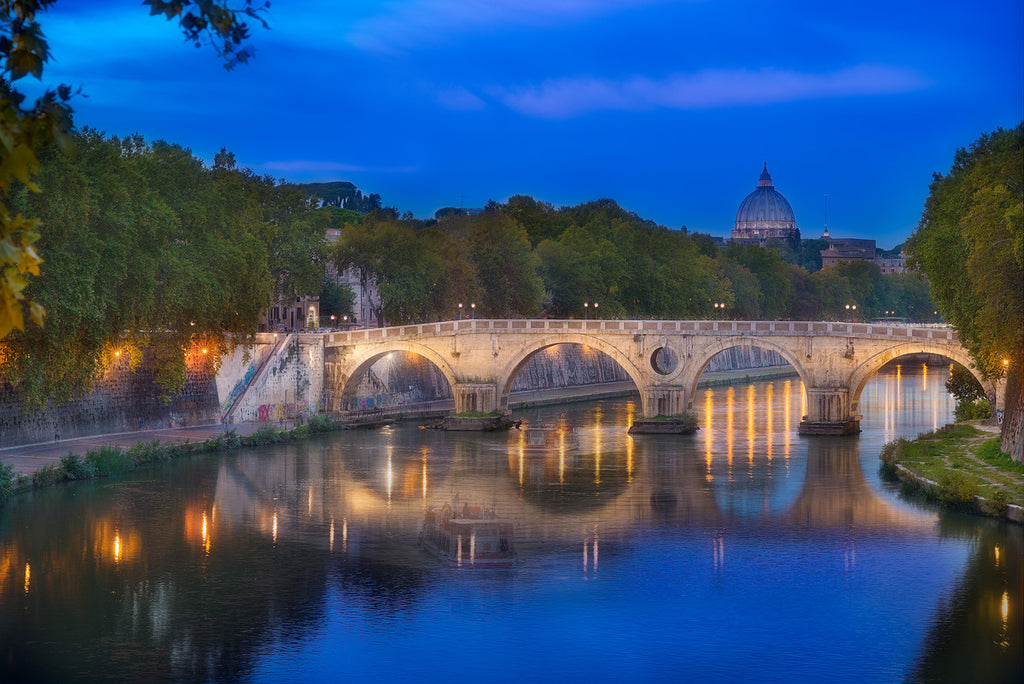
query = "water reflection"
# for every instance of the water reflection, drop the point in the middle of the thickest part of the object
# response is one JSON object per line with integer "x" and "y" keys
{"x": 289, "y": 562}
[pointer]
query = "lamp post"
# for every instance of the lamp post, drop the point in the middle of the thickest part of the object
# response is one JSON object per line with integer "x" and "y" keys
{"x": 849, "y": 308}
{"x": 595, "y": 311}
{"x": 719, "y": 310}
{"x": 585, "y": 310}
{"x": 460, "y": 311}
{"x": 472, "y": 306}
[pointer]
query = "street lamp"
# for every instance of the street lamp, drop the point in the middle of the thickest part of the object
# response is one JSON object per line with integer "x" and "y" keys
{"x": 595, "y": 310}
{"x": 719, "y": 309}
{"x": 460, "y": 311}
{"x": 585, "y": 309}
{"x": 849, "y": 308}
{"x": 473, "y": 307}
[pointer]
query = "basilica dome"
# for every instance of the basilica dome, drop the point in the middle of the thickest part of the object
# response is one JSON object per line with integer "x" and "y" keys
{"x": 765, "y": 213}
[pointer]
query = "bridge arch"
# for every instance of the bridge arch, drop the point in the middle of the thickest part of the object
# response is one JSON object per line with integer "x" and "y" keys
{"x": 523, "y": 355}
{"x": 693, "y": 373}
{"x": 358, "y": 364}
{"x": 860, "y": 376}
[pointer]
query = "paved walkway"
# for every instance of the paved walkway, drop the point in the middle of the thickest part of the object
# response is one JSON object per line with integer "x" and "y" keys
{"x": 28, "y": 458}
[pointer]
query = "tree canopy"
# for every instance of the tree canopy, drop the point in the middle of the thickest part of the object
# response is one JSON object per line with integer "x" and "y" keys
{"x": 27, "y": 129}
{"x": 970, "y": 243}
{"x": 150, "y": 247}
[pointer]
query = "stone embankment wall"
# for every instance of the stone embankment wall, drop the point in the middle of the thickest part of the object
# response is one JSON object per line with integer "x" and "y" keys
{"x": 281, "y": 378}
{"x": 121, "y": 401}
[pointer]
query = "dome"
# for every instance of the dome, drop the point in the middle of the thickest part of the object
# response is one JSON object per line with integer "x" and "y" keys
{"x": 765, "y": 213}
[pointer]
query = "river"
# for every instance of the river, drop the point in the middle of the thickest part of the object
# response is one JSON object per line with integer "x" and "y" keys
{"x": 743, "y": 553}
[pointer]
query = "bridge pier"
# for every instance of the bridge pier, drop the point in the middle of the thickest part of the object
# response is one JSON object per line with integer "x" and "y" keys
{"x": 476, "y": 408}
{"x": 828, "y": 413}
{"x": 664, "y": 401}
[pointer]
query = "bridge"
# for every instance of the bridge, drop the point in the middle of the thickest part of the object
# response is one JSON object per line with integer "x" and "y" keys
{"x": 480, "y": 358}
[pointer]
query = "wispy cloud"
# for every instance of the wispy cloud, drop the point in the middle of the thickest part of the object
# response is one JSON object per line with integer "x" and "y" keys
{"x": 310, "y": 166}
{"x": 406, "y": 24}
{"x": 570, "y": 97}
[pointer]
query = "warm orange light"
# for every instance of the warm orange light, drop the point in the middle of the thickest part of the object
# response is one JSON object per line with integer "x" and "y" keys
{"x": 117, "y": 353}
{"x": 204, "y": 350}
{"x": 1006, "y": 362}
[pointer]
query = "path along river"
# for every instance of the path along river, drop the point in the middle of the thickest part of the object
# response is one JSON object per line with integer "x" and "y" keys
{"x": 744, "y": 553}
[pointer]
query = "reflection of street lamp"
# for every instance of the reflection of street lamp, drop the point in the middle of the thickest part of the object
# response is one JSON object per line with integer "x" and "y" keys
{"x": 849, "y": 308}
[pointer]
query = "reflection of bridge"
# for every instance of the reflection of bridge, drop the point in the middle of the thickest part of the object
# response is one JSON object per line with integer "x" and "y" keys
{"x": 480, "y": 358}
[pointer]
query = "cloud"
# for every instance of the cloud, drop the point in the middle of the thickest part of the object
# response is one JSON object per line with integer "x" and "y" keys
{"x": 407, "y": 24}
{"x": 570, "y": 97}
{"x": 308, "y": 166}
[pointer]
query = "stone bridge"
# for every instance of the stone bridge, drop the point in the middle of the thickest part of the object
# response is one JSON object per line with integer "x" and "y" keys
{"x": 480, "y": 358}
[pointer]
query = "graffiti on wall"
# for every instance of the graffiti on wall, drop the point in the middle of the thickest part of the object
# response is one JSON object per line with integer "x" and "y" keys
{"x": 250, "y": 373}
{"x": 280, "y": 412}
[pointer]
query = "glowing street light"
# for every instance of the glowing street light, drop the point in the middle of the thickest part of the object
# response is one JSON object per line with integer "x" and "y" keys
{"x": 595, "y": 310}
{"x": 460, "y": 311}
{"x": 586, "y": 309}
{"x": 472, "y": 306}
{"x": 849, "y": 308}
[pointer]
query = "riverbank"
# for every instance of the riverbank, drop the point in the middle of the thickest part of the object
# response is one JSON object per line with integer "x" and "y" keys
{"x": 959, "y": 466}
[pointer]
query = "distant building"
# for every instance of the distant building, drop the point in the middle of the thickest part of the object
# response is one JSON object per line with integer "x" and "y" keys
{"x": 764, "y": 214}
{"x": 845, "y": 250}
{"x": 892, "y": 264}
{"x": 362, "y": 309}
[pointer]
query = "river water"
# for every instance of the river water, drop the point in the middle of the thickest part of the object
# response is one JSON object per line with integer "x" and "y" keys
{"x": 744, "y": 553}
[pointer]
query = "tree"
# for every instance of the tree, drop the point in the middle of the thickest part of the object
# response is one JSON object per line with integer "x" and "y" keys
{"x": 970, "y": 244}
{"x": 26, "y": 131}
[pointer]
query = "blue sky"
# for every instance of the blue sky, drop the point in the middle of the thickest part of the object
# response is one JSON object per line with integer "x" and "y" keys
{"x": 670, "y": 108}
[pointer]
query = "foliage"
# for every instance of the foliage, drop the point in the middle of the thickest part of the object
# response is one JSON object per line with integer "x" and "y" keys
{"x": 6, "y": 482}
{"x": 963, "y": 385}
{"x": 149, "y": 248}
{"x": 993, "y": 455}
{"x": 957, "y": 489}
{"x": 972, "y": 410}
{"x": 970, "y": 243}
{"x": 75, "y": 468}
{"x": 26, "y": 130}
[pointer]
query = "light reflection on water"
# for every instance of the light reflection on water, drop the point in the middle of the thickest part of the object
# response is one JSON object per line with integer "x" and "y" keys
{"x": 741, "y": 553}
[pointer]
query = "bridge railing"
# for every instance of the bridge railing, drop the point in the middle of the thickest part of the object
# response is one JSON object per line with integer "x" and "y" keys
{"x": 753, "y": 328}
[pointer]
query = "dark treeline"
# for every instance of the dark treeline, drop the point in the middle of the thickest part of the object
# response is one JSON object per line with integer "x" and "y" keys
{"x": 145, "y": 246}
{"x": 528, "y": 258}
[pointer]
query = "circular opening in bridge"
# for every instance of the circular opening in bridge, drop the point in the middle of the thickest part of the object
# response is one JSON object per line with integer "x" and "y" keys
{"x": 664, "y": 360}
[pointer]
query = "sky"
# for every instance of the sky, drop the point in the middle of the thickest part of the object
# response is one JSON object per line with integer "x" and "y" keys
{"x": 668, "y": 107}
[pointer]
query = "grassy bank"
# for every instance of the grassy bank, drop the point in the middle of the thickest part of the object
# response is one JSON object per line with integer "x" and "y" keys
{"x": 108, "y": 460}
{"x": 960, "y": 467}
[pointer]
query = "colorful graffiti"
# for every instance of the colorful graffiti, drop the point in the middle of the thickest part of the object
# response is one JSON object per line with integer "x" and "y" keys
{"x": 250, "y": 372}
{"x": 265, "y": 413}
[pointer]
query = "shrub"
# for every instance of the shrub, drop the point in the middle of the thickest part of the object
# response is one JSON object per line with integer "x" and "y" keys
{"x": 972, "y": 410}
{"x": 999, "y": 502}
{"x": 147, "y": 452}
{"x": 74, "y": 468}
{"x": 957, "y": 490}
{"x": 6, "y": 482}
{"x": 321, "y": 423}
{"x": 47, "y": 475}
{"x": 108, "y": 460}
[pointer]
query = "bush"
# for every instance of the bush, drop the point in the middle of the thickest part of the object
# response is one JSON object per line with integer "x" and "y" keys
{"x": 47, "y": 476}
{"x": 999, "y": 502}
{"x": 972, "y": 410}
{"x": 74, "y": 468}
{"x": 957, "y": 490}
{"x": 147, "y": 452}
{"x": 6, "y": 482}
{"x": 321, "y": 423}
{"x": 109, "y": 460}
